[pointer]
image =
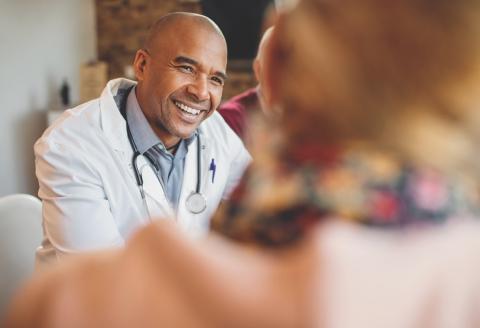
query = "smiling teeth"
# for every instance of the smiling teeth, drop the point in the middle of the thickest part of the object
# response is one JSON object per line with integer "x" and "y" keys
{"x": 187, "y": 109}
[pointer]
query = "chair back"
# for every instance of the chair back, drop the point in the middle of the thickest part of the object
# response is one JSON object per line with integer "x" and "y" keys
{"x": 20, "y": 235}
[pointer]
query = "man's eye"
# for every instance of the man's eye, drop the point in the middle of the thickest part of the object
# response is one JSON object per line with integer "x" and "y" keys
{"x": 186, "y": 68}
{"x": 217, "y": 80}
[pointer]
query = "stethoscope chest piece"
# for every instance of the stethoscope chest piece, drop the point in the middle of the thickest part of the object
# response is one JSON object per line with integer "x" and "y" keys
{"x": 196, "y": 203}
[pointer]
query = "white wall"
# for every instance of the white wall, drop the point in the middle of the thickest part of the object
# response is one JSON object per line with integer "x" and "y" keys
{"x": 42, "y": 42}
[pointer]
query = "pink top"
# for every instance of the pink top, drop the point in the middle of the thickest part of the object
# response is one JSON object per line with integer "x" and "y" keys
{"x": 235, "y": 111}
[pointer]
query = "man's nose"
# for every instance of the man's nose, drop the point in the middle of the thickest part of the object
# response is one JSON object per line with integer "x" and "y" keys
{"x": 199, "y": 88}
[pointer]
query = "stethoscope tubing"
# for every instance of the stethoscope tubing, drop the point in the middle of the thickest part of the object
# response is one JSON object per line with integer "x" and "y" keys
{"x": 139, "y": 178}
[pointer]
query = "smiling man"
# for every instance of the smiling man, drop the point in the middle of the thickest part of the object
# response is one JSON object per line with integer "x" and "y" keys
{"x": 180, "y": 75}
{"x": 145, "y": 150}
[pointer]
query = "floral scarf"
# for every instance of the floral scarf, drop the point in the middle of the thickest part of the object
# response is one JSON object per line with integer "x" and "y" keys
{"x": 276, "y": 204}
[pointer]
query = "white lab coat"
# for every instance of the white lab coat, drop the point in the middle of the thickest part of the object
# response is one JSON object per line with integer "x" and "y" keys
{"x": 90, "y": 196}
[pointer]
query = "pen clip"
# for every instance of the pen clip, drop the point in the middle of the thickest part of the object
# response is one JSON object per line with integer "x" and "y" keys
{"x": 213, "y": 168}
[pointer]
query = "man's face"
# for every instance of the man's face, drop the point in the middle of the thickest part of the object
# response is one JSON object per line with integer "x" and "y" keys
{"x": 181, "y": 81}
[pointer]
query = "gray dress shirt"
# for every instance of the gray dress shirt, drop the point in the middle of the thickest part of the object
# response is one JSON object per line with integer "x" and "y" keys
{"x": 168, "y": 167}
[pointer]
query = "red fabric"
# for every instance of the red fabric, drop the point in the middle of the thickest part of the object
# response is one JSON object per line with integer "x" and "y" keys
{"x": 235, "y": 110}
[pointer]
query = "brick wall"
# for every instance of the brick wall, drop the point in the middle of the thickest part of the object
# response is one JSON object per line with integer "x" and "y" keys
{"x": 122, "y": 25}
{"x": 239, "y": 79}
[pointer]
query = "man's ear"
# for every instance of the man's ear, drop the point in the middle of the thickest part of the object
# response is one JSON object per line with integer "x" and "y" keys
{"x": 139, "y": 64}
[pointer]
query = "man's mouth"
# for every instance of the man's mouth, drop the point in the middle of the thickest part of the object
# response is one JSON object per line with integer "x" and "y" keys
{"x": 187, "y": 109}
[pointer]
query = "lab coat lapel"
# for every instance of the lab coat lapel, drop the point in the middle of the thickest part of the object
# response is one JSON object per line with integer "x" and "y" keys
{"x": 113, "y": 124}
{"x": 114, "y": 127}
{"x": 157, "y": 202}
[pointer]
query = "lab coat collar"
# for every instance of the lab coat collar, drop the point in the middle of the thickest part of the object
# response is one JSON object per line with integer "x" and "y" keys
{"x": 112, "y": 122}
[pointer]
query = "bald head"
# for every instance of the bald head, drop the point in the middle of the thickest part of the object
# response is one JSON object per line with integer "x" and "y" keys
{"x": 180, "y": 20}
{"x": 259, "y": 65}
{"x": 259, "y": 59}
{"x": 264, "y": 43}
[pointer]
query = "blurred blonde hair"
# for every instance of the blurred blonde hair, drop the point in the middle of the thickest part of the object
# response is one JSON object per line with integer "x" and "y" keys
{"x": 403, "y": 75}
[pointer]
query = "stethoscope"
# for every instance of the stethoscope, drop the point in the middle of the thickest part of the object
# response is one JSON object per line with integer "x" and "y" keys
{"x": 195, "y": 203}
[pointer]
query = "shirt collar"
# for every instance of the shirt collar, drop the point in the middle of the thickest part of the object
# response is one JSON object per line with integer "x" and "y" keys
{"x": 142, "y": 132}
